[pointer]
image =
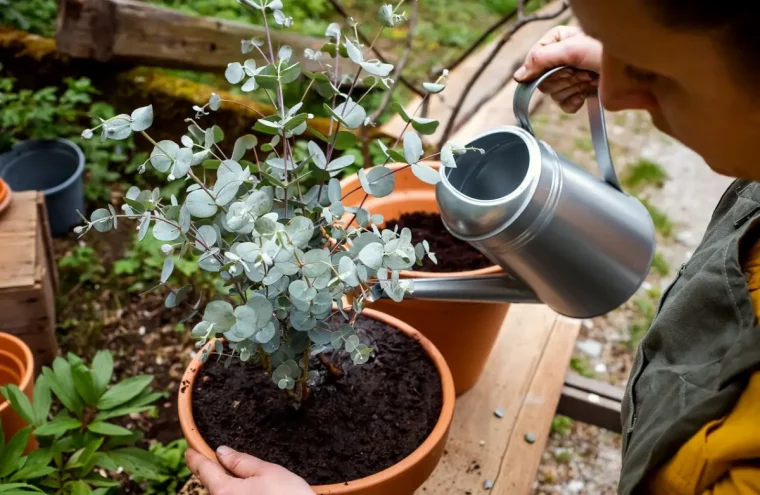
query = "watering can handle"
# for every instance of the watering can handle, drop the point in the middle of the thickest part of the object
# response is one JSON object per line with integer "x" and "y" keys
{"x": 521, "y": 104}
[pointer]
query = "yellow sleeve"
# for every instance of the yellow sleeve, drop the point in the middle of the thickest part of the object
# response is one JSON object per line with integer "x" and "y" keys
{"x": 723, "y": 458}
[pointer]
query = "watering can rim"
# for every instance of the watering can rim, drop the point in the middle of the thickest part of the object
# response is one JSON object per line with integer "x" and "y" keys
{"x": 534, "y": 167}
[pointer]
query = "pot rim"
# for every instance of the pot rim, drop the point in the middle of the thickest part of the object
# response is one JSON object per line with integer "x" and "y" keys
{"x": 31, "y": 145}
{"x": 440, "y": 429}
{"x": 491, "y": 270}
{"x": 27, "y": 369}
{"x": 5, "y": 195}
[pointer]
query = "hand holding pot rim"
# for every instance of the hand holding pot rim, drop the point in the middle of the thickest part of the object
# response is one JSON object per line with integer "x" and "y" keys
{"x": 249, "y": 475}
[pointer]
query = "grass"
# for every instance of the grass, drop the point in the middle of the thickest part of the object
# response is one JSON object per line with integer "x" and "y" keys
{"x": 643, "y": 173}
{"x": 659, "y": 265}
{"x": 646, "y": 308}
{"x": 662, "y": 222}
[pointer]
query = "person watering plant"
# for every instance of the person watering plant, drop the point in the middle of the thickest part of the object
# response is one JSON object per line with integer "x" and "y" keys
{"x": 690, "y": 416}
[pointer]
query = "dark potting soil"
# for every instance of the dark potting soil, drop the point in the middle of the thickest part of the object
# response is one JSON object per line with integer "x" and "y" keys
{"x": 452, "y": 254}
{"x": 354, "y": 426}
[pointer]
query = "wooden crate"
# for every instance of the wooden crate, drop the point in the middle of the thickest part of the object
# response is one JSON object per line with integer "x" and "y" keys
{"x": 28, "y": 276}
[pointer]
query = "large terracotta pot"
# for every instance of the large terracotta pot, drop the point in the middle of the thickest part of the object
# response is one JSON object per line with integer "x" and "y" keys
{"x": 464, "y": 332}
{"x": 5, "y": 196}
{"x": 16, "y": 368}
{"x": 400, "y": 479}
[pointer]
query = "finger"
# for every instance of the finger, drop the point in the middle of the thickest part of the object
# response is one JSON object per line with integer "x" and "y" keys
{"x": 583, "y": 89}
{"x": 579, "y": 52}
{"x": 563, "y": 80}
{"x": 212, "y": 475}
{"x": 573, "y": 104}
{"x": 557, "y": 34}
{"x": 239, "y": 464}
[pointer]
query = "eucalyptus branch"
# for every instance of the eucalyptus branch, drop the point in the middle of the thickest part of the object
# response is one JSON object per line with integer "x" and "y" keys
{"x": 522, "y": 20}
{"x": 388, "y": 97}
{"x": 342, "y": 11}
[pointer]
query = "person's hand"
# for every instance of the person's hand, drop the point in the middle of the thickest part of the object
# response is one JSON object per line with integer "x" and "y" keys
{"x": 569, "y": 46}
{"x": 250, "y": 476}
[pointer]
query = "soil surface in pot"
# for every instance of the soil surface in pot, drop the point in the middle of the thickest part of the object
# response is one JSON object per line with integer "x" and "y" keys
{"x": 452, "y": 254}
{"x": 354, "y": 426}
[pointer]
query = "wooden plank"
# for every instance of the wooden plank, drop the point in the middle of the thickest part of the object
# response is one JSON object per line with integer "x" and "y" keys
{"x": 592, "y": 402}
{"x": 140, "y": 33}
{"x": 596, "y": 387}
{"x": 593, "y": 410}
{"x": 45, "y": 242}
{"x": 496, "y": 76}
{"x": 505, "y": 384}
{"x": 518, "y": 467}
{"x": 18, "y": 237}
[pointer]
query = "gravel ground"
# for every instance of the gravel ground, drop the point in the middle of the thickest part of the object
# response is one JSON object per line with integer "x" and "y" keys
{"x": 582, "y": 459}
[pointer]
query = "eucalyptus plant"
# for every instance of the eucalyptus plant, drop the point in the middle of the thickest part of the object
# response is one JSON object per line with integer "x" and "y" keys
{"x": 269, "y": 218}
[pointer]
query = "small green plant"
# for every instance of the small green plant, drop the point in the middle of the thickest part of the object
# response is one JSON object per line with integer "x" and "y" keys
{"x": 81, "y": 436}
{"x": 561, "y": 425}
{"x": 643, "y": 173}
{"x": 144, "y": 260}
{"x": 267, "y": 218}
{"x": 175, "y": 471}
{"x": 580, "y": 365}
{"x": 81, "y": 266}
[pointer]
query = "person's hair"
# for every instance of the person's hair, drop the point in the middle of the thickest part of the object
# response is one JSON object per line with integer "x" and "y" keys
{"x": 733, "y": 23}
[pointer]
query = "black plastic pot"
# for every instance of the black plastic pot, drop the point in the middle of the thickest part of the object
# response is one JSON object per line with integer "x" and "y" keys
{"x": 54, "y": 167}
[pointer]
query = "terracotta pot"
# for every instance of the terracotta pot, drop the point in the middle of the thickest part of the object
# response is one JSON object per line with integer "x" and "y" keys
{"x": 400, "y": 479}
{"x": 5, "y": 196}
{"x": 16, "y": 368}
{"x": 464, "y": 332}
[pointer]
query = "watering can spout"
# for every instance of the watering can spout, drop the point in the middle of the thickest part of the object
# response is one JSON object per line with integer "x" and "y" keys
{"x": 486, "y": 289}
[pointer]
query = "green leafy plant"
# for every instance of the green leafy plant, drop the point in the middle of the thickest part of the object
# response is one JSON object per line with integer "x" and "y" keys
{"x": 561, "y": 425}
{"x": 175, "y": 471}
{"x": 81, "y": 265}
{"x": 35, "y": 16}
{"x": 268, "y": 218}
{"x": 16, "y": 469}
{"x": 81, "y": 436}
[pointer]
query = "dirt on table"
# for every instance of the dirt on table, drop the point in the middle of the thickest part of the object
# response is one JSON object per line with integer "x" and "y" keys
{"x": 452, "y": 254}
{"x": 354, "y": 426}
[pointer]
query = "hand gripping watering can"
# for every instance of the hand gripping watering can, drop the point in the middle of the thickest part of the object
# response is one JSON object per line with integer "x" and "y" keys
{"x": 564, "y": 237}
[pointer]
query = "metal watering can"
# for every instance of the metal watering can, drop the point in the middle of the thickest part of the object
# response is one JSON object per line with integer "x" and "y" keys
{"x": 564, "y": 237}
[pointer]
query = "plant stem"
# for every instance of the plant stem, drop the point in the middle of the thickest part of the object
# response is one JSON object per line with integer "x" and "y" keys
{"x": 331, "y": 368}
{"x": 342, "y": 11}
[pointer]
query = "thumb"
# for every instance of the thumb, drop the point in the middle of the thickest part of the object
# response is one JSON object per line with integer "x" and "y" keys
{"x": 239, "y": 464}
{"x": 212, "y": 475}
{"x": 579, "y": 52}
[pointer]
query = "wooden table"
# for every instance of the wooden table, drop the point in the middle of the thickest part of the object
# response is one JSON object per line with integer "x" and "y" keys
{"x": 524, "y": 377}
